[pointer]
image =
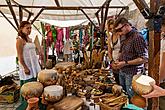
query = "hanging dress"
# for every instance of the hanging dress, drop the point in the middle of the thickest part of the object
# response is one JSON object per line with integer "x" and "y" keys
{"x": 31, "y": 60}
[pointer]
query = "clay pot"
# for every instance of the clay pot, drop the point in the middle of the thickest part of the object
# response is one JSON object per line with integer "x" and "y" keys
{"x": 48, "y": 77}
{"x": 140, "y": 84}
{"x": 31, "y": 89}
{"x": 139, "y": 101}
{"x": 33, "y": 104}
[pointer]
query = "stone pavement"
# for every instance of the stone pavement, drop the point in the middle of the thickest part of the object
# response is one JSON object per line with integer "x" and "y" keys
{"x": 6, "y": 106}
{"x": 13, "y": 106}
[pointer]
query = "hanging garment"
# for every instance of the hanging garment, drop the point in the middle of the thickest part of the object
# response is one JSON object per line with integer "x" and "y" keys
{"x": 67, "y": 47}
{"x": 64, "y": 33}
{"x": 59, "y": 43}
{"x": 81, "y": 35}
{"x": 31, "y": 60}
{"x": 67, "y": 33}
{"x": 49, "y": 38}
{"x": 54, "y": 33}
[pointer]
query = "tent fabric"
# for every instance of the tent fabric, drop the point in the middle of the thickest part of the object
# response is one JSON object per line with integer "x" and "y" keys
{"x": 67, "y": 23}
{"x": 67, "y": 14}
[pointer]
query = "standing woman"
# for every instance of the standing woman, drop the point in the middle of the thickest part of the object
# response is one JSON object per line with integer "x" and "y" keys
{"x": 26, "y": 51}
{"x": 113, "y": 46}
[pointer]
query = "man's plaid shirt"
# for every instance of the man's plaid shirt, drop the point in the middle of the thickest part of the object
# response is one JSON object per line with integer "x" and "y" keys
{"x": 132, "y": 47}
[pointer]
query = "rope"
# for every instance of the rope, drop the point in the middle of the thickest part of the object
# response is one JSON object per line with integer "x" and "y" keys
{"x": 121, "y": 2}
{"x": 63, "y": 10}
{"x": 32, "y": 5}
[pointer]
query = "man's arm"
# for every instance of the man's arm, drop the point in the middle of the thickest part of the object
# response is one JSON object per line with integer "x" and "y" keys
{"x": 162, "y": 66}
{"x": 136, "y": 61}
{"x": 157, "y": 92}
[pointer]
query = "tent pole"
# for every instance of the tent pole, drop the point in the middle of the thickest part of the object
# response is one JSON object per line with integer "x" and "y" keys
{"x": 12, "y": 12}
{"x": 141, "y": 4}
{"x": 63, "y": 8}
{"x": 20, "y": 14}
{"x": 37, "y": 29}
{"x": 57, "y": 3}
{"x": 37, "y": 15}
{"x": 17, "y": 4}
{"x": 106, "y": 13}
{"x": 102, "y": 15}
{"x": 154, "y": 43}
{"x": 119, "y": 13}
{"x": 87, "y": 17}
{"x": 102, "y": 26}
{"x": 29, "y": 16}
{"x": 97, "y": 16}
{"x": 102, "y": 6}
{"x": 8, "y": 20}
{"x": 154, "y": 48}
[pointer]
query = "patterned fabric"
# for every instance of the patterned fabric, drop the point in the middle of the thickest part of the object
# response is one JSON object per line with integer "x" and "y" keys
{"x": 49, "y": 39}
{"x": 67, "y": 47}
{"x": 67, "y": 33}
{"x": 59, "y": 42}
{"x": 132, "y": 47}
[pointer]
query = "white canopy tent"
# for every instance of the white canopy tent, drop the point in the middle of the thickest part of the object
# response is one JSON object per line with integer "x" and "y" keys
{"x": 67, "y": 23}
{"x": 77, "y": 14}
{"x": 66, "y": 17}
{"x": 67, "y": 14}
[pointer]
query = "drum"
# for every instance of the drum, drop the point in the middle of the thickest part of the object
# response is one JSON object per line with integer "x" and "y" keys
{"x": 48, "y": 77}
{"x": 31, "y": 89}
{"x": 53, "y": 93}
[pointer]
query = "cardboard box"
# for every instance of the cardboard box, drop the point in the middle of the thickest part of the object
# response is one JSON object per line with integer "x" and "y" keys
{"x": 10, "y": 96}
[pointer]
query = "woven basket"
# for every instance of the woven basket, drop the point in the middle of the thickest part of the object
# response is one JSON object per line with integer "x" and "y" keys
{"x": 106, "y": 107}
{"x": 119, "y": 102}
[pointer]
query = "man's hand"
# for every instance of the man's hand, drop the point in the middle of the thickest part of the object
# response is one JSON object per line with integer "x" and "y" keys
{"x": 113, "y": 64}
{"x": 118, "y": 65}
{"x": 157, "y": 92}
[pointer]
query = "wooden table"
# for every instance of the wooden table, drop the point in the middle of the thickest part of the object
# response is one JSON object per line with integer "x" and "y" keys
{"x": 69, "y": 103}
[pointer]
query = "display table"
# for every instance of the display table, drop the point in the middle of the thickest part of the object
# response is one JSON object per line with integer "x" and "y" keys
{"x": 69, "y": 103}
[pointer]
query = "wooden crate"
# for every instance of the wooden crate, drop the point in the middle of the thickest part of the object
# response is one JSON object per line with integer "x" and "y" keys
{"x": 10, "y": 96}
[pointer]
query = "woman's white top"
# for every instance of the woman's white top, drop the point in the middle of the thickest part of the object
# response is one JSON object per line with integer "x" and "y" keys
{"x": 162, "y": 49}
{"x": 116, "y": 47}
{"x": 31, "y": 60}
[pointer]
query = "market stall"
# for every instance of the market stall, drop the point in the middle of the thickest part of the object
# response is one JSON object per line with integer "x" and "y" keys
{"x": 66, "y": 83}
{"x": 88, "y": 74}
